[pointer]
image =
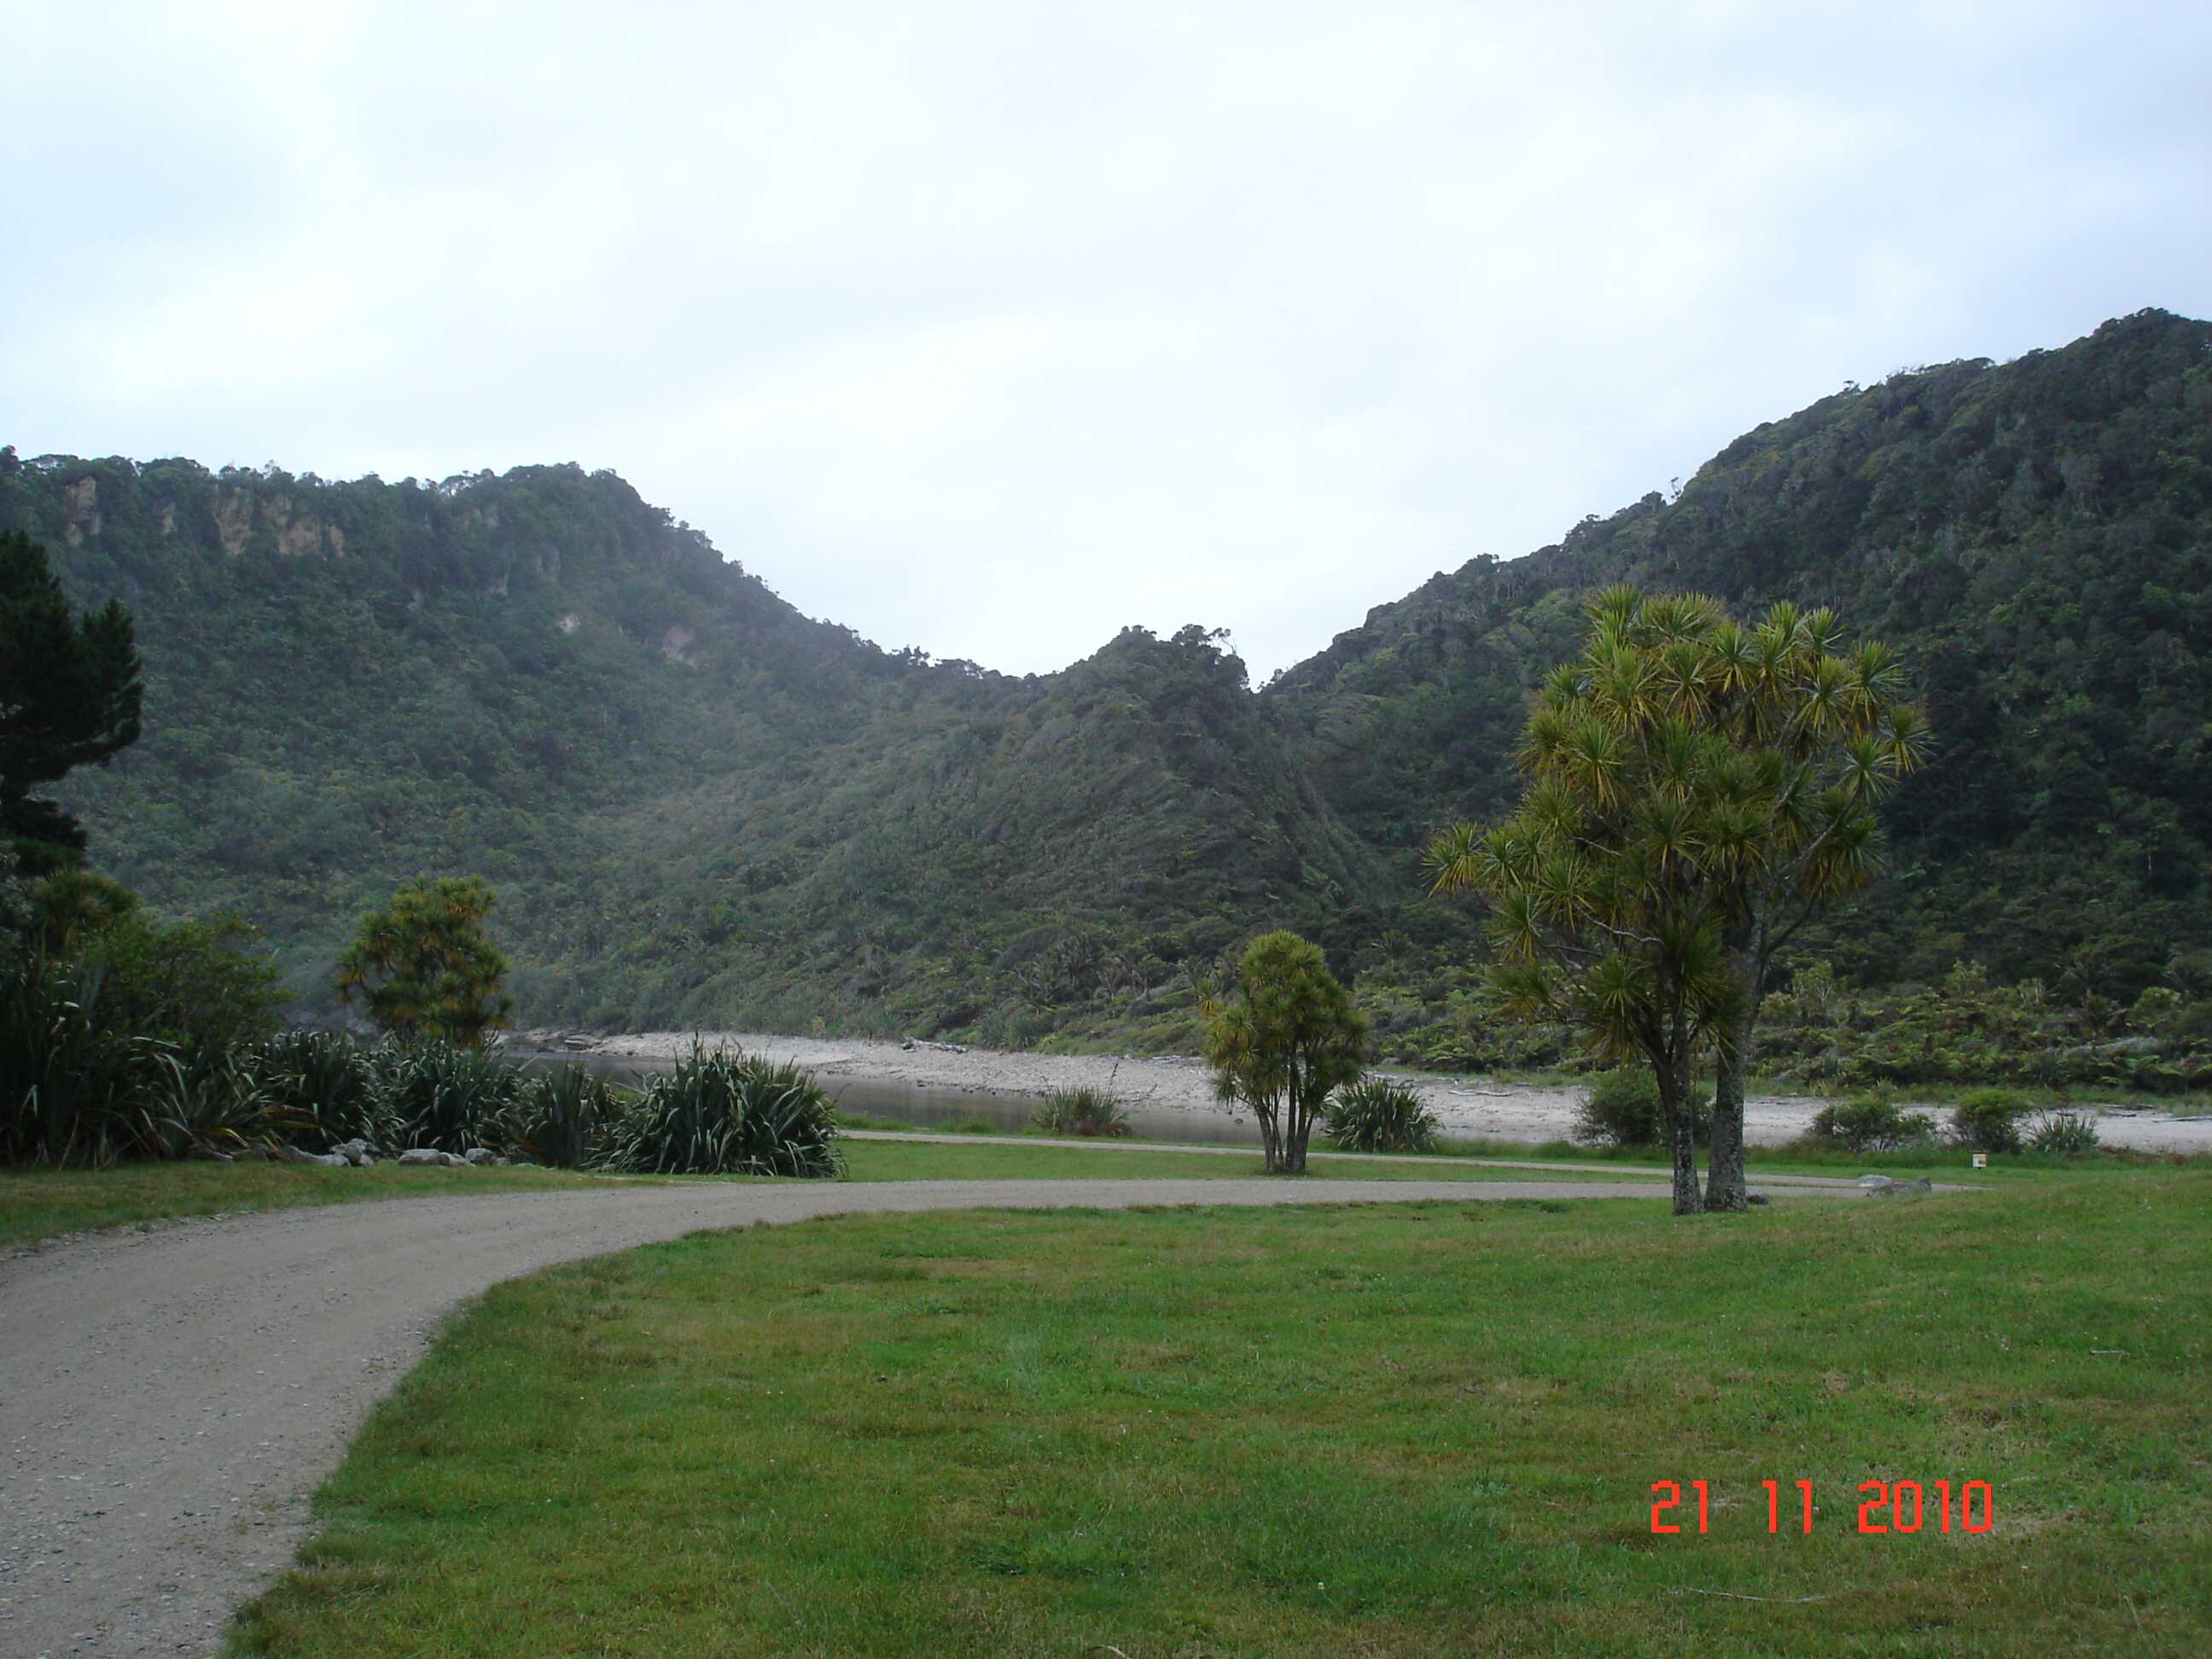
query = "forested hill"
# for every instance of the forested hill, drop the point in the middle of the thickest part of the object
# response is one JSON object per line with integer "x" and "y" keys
{"x": 701, "y": 806}
{"x": 696, "y": 804}
{"x": 2035, "y": 536}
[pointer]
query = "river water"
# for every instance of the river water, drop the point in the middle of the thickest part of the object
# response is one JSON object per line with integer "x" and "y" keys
{"x": 929, "y": 1108}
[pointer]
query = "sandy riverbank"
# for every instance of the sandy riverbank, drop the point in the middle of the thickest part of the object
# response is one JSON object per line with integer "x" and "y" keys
{"x": 1465, "y": 1105}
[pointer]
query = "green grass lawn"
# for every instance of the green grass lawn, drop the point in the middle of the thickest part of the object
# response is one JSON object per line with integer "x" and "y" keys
{"x": 41, "y": 1204}
{"x": 1048, "y": 1160}
{"x": 1347, "y": 1431}
{"x": 38, "y": 1203}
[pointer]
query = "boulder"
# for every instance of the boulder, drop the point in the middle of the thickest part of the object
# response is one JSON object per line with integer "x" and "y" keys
{"x": 479, "y": 1157}
{"x": 420, "y": 1155}
{"x": 329, "y": 1160}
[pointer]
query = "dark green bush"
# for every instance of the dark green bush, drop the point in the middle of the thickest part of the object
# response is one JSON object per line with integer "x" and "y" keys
{"x": 1988, "y": 1120}
{"x": 200, "y": 985}
{"x": 1084, "y": 1111}
{"x": 1375, "y": 1114}
{"x": 71, "y": 1089}
{"x": 558, "y": 1118}
{"x": 450, "y": 1097}
{"x": 330, "y": 1088}
{"x": 1622, "y": 1108}
{"x": 2063, "y": 1134}
{"x": 1871, "y": 1123}
{"x": 204, "y": 1103}
{"x": 722, "y": 1114}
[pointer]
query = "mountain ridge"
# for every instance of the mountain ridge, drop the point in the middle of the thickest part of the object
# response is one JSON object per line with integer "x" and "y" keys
{"x": 702, "y": 805}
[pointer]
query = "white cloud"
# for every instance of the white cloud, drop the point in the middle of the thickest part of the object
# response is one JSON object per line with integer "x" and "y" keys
{"x": 989, "y": 328}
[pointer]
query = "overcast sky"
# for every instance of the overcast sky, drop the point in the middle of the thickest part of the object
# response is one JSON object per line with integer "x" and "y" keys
{"x": 992, "y": 327}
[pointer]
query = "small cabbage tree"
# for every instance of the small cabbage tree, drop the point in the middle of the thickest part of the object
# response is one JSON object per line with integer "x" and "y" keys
{"x": 1283, "y": 1037}
{"x": 424, "y": 965}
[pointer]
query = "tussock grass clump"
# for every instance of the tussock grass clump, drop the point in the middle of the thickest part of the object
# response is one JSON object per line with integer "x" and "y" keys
{"x": 1090, "y": 1112}
{"x": 449, "y": 1097}
{"x": 558, "y": 1117}
{"x": 1375, "y": 1114}
{"x": 2063, "y": 1134}
{"x": 66, "y": 1084}
{"x": 1870, "y": 1123}
{"x": 723, "y": 1114}
{"x": 328, "y": 1088}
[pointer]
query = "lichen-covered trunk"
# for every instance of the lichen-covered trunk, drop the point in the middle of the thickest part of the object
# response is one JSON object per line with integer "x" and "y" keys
{"x": 1725, "y": 1178}
{"x": 1673, "y": 1073}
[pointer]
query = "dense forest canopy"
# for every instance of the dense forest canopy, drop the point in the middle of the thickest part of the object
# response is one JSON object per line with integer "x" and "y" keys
{"x": 699, "y": 805}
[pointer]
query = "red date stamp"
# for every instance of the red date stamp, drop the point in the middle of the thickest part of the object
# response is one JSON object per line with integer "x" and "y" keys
{"x": 1885, "y": 1506}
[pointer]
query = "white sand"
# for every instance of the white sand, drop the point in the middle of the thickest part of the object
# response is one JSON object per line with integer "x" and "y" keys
{"x": 1465, "y": 1105}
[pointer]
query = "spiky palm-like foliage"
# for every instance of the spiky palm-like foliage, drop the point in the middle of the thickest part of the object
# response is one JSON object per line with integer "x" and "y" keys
{"x": 1082, "y": 1111}
{"x": 449, "y": 1097}
{"x": 1697, "y": 790}
{"x": 330, "y": 1088}
{"x": 1375, "y": 1114}
{"x": 66, "y": 1082}
{"x": 722, "y": 1114}
{"x": 558, "y": 1119}
{"x": 1284, "y": 1039}
{"x": 424, "y": 965}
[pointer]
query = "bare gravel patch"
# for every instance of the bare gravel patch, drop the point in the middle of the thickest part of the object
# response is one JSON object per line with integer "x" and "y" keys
{"x": 1471, "y": 1106}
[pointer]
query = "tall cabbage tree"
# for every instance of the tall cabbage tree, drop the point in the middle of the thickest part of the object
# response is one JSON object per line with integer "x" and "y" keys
{"x": 1697, "y": 789}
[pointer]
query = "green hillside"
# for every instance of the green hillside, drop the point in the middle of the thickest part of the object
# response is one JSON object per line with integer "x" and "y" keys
{"x": 701, "y": 806}
{"x": 2035, "y": 538}
{"x": 697, "y": 805}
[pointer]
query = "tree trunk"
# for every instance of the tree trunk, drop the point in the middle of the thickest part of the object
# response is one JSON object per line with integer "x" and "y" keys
{"x": 1298, "y": 1124}
{"x": 1271, "y": 1139}
{"x": 1673, "y": 1074}
{"x": 1724, "y": 1182}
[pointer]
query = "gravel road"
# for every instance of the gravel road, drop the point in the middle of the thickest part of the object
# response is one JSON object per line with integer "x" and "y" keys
{"x": 169, "y": 1399}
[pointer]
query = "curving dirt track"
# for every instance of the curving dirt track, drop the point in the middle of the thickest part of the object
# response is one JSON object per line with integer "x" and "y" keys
{"x": 169, "y": 1399}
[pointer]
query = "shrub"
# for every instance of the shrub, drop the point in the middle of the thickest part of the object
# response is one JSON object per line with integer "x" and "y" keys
{"x": 1870, "y": 1123}
{"x": 204, "y": 1104}
{"x": 558, "y": 1117}
{"x": 1375, "y": 1114}
{"x": 1988, "y": 1120}
{"x": 721, "y": 1114}
{"x": 451, "y": 1097}
{"x": 1085, "y": 1111}
{"x": 2063, "y": 1134}
{"x": 201, "y": 985}
{"x": 1622, "y": 1108}
{"x": 329, "y": 1088}
{"x": 67, "y": 1081}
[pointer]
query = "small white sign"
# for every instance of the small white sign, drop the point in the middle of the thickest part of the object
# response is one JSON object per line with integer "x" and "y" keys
{"x": 1981, "y": 1160}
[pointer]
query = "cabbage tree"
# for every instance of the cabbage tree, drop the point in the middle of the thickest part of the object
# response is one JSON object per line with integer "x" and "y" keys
{"x": 1283, "y": 1038}
{"x": 1697, "y": 790}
